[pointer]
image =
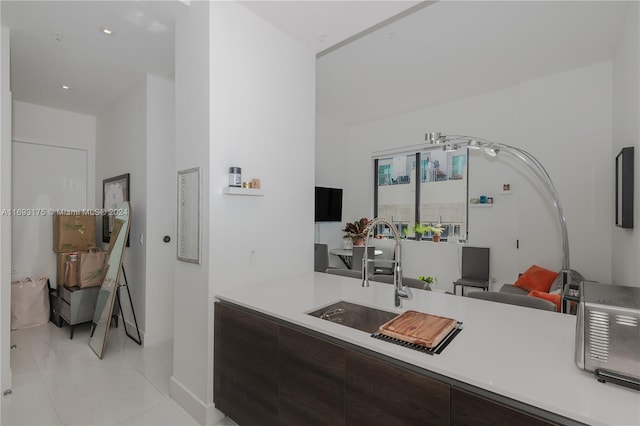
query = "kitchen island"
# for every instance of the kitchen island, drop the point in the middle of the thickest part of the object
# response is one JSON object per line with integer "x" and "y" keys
{"x": 511, "y": 362}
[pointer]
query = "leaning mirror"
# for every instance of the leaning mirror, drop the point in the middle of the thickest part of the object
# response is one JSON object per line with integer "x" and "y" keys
{"x": 109, "y": 288}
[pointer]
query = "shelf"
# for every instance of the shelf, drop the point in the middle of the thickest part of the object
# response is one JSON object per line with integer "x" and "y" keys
{"x": 505, "y": 192}
{"x": 481, "y": 205}
{"x": 243, "y": 191}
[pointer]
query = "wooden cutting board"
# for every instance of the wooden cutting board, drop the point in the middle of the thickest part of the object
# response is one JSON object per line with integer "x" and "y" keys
{"x": 419, "y": 328}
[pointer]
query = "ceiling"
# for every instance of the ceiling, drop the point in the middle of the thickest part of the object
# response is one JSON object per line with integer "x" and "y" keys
{"x": 456, "y": 49}
{"x": 60, "y": 42}
{"x": 440, "y": 52}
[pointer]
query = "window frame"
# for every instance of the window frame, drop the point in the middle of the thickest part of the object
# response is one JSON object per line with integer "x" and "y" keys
{"x": 417, "y": 153}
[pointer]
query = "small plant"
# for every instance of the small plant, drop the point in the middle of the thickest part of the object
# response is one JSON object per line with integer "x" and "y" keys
{"x": 428, "y": 280}
{"x": 436, "y": 229}
{"x": 357, "y": 230}
{"x": 419, "y": 228}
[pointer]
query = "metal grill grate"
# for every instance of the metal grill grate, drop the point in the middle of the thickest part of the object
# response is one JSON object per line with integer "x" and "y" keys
{"x": 431, "y": 351}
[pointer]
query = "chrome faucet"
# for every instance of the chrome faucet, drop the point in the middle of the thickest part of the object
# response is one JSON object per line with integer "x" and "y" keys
{"x": 401, "y": 292}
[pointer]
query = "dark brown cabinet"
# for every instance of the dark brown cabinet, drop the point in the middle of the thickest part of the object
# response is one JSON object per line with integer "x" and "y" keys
{"x": 269, "y": 372}
{"x": 311, "y": 380}
{"x": 470, "y": 409}
{"x": 380, "y": 393}
{"x": 245, "y": 367}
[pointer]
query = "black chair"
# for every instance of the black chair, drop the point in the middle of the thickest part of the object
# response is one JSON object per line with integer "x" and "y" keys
{"x": 475, "y": 269}
{"x": 320, "y": 257}
{"x": 345, "y": 273}
{"x": 358, "y": 254}
{"x": 407, "y": 282}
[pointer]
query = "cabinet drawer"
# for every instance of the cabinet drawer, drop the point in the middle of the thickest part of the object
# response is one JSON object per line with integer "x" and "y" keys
{"x": 65, "y": 294}
{"x": 65, "y": 310}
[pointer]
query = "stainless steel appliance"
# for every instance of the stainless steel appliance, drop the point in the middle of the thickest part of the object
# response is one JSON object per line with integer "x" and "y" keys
{"x": 608, "y": 333}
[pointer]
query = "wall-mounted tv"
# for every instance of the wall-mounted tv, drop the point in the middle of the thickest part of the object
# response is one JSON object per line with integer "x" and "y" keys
{"x": 328, "y": 204}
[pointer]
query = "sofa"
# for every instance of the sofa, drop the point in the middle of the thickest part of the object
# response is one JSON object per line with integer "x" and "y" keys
{"x": 532, "y": 290}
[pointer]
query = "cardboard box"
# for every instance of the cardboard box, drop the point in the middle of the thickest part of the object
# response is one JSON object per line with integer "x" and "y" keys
{"x": 61, "y": 261}
{"x": 73, "y": 232}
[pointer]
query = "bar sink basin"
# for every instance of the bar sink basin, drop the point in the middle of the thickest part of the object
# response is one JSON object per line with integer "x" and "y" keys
{"x": 352, "y": 315}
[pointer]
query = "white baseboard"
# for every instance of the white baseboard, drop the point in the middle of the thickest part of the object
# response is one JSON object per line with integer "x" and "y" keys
{"x": 131, "y": 328}
{"x": 205, "y": 414}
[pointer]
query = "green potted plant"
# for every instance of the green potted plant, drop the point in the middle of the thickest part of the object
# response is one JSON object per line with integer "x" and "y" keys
{"x": 357, "y": 231}
{"x": 429, "y": 281}
{"x": 419, "y": 230}
{"x": 436, "y": 230}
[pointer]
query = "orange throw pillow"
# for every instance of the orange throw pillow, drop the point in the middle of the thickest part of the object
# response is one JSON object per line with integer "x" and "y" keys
{"x": 554, "y": 298}
{"x": 536, "y": 278}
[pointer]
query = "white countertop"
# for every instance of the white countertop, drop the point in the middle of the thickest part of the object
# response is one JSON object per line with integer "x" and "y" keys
{"x": 521, "y": 353}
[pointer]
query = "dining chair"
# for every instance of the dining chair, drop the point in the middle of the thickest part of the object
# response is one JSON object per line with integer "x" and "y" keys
{"x": 358, "y": 254}
{"x": 320, "y": 257}
{"x": 345, "y": 273}
{"x": 475, "y": 269}
{"x": 406, "y": 281}
{"x": 384, "y": 263}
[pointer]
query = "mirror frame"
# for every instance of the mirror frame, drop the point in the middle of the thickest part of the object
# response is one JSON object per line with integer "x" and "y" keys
{"x": 112, "y": 277}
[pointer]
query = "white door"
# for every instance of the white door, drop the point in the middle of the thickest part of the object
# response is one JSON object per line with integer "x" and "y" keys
{"x": 44, "y": 177}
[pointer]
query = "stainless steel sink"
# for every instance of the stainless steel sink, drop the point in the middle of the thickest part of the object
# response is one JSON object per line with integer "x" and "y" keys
{"x": 360, "y": 317}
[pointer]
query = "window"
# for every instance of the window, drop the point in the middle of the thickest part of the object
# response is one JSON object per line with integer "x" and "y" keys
{"x": 438, "y": 187}
{"x": 396, "y": 190}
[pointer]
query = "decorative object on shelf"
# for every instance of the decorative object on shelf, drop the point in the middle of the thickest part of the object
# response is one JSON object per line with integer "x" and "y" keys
{"x": 357, "y": 231}
{"x": 428, "y": 281}
{"x": 483, "y": 199}
{"x": 189, "y": 208}
{"x": 489, "y": 200}
{"x": 506, "y": 187}
{"x": 235, "y": 177}
{"x": 255, "y": 183}
{"x": 492, "y": 149}
{"x": 474, "y": 200}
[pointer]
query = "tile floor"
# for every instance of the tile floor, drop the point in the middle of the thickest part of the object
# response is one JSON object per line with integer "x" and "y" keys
{"x": 58, "y": 381}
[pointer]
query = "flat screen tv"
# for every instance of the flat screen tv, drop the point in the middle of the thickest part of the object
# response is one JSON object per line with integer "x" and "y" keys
{"x": 328, "y": 204}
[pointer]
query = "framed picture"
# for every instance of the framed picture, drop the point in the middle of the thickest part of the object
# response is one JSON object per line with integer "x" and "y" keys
{"x": 115, "y": 191}
{"x": 624, "y": 188}
{"x": 189, "y": 208}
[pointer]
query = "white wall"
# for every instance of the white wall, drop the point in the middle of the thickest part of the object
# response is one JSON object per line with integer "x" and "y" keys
{"x": 263, "y": 120}
{"x": 257, "y": 93}
{"x": 563, "y": 120}
{"x": 55, "y": 127}
{"x": 136, "y": 135}
{"x": 193, "y": 339}
{"x": 331, "y": 138}
{"x": 121, "y": 148}
{"x": 5, "y": 221}
{"x": 161, "y": 210}
{"x": 626, "y": 132}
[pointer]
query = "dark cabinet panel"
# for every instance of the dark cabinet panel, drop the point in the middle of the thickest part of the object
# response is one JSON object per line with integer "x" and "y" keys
{"x": 311, "y": 379}
{"x": 245, "y": 367}
{"x": 470, "y": 409}
{"x": 379, "y": 393}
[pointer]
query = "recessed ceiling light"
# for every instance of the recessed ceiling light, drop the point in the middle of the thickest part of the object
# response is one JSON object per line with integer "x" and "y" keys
{"x": 65, "y": 87}
{"x": 107, "y": 31}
